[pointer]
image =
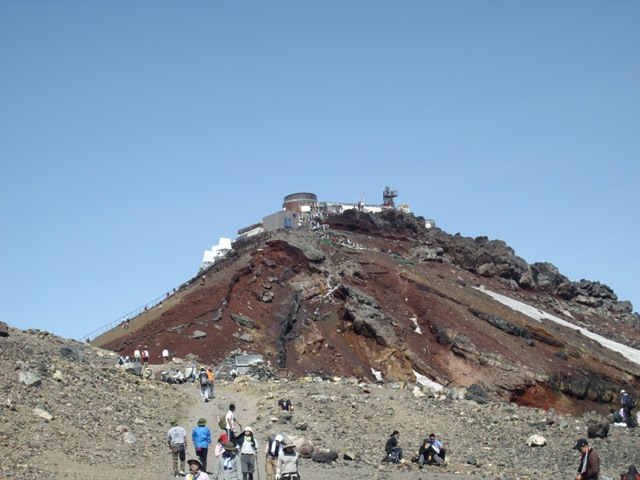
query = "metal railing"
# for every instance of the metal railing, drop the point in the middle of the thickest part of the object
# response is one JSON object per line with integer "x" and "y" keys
{"x": 129, "y": 316}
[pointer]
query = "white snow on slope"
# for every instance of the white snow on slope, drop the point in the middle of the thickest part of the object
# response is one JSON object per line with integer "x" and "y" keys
{"x": 627, "y": 352}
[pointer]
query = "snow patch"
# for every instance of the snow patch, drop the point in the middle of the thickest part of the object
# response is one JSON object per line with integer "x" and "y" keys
{"x": 629, "y": 353}
{"x": 415, "y": 322}
{"x": 430, "y": 384}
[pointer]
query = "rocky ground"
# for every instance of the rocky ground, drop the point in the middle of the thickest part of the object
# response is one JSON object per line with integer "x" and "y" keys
{"x": 68, "y": 410}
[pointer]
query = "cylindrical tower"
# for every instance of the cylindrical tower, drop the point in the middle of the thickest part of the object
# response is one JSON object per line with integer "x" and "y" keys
{"x": 301, "y": 202}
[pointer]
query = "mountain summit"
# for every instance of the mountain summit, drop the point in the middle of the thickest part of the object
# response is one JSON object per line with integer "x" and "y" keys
{"x": 382, "y": 296}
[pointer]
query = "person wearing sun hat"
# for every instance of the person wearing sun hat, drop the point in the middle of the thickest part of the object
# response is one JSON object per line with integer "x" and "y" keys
{"x": 287, "y": 468}
{"x": 589, "y": 467}
{"x": 196, "y": 471}
{"x": 228, "y": 466}
{"x": 177, "y": 439}
{"x": 248, "y": 448}
{"x": 201, "y": 437}
{"x": 272, "y": 451}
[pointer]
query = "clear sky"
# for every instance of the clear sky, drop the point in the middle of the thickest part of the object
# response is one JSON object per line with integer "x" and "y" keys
{"x": 134, "y": 134}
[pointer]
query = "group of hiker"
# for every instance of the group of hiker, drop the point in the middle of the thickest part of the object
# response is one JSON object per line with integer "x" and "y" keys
{"x": 431, "y": 451}
{"x": 236, "y": 451}
{"x": 205, "y": 380}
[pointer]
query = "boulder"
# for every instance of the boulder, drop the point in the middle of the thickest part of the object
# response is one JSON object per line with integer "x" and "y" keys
{"x": 324, "y": 456}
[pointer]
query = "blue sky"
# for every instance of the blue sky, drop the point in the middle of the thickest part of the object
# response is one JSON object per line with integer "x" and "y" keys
{"x": 134, "y": 134}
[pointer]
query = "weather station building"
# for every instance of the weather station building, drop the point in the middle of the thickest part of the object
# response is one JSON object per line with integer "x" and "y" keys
{"x": 303, "y": 210}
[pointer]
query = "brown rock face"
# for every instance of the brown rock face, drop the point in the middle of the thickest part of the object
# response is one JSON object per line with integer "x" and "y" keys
{"x": 381, "y": 292}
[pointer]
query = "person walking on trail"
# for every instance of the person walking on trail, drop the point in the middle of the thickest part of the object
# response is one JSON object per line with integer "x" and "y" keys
{"x": 136, "y": 355}
{"x": 287, "y": 468}
{"x": 211, "y": 379}
{"x": 165, "y": 356}
{"x": 145, "y": 356}
{"x": 219, "y": 450}
{"x": 201, "y": 437}
{"x": 589, "y": 467}
{"x": 272, "y": 451}
{"x": 177, "y": 438}
{"x": 228, "y": 466}
{"x": 231, "y": 421}
{"x": 625, "y": 403}
{"x": 248, "y": 448}
{"x": 196, "y": 471}
{"x": 202, "y": 382}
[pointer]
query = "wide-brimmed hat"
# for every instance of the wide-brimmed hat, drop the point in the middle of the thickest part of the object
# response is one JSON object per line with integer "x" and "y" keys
{"x": 230, "y": 446}
{"x": 288, "y": 444}
{"x": 202, "y": 422}
{"x": 197, "y": 462}
{"x": 248, "y": 429}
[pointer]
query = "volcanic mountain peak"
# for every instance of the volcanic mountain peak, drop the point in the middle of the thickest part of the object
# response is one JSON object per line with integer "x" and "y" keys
{"x": 381, "y": 292}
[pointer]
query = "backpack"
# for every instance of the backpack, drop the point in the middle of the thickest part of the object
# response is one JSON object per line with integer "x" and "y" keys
{"x": 222, "y": 422}
{"x": 203, "y": 378}
{"x": 395, "y": 455}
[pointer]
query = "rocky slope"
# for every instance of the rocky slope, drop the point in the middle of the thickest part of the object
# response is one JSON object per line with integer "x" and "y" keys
{"x": 69, "y": 411}
{"x": 381, "y": 292}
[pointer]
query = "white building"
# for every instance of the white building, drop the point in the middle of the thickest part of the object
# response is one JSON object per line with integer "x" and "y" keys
{"x": 216, "y": 252}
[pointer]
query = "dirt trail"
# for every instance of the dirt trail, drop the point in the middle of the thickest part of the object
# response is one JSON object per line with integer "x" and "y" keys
{"x": 225, "y": 393}
{"x": 251, "y": 411}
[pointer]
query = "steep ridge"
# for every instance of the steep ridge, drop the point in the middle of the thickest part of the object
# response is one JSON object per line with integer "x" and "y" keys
{"x": 380, "y": 292}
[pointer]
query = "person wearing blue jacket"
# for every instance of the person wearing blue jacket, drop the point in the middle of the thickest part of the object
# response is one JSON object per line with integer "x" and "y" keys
{"x": 201, "y": 438}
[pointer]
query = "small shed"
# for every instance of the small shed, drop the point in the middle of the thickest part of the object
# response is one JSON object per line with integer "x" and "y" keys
{"x": 243, "y": 362}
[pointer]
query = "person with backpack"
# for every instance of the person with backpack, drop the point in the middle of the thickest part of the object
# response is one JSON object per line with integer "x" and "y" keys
{"x": 201, "y": 437}
{"x": 248, "y": 448}
{"x": 626, "y": 403}
{"x": 393, "y": 451}
{"x": 230, "y": 422}
{"x": 177, "y": 438}
{"x": 272, "y": 450}
{"x": 202, "y": 382}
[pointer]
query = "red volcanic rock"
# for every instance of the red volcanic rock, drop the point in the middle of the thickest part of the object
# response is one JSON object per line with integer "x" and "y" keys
{"x": 381, "y": 292}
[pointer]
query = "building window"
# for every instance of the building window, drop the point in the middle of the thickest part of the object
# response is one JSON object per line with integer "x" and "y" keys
{"x": 287, "y": 223}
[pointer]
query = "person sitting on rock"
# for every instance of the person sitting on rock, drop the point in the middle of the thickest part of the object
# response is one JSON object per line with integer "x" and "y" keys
{"x": 285, "y": 405}
{"x": 393, "y": 453}
{"x": 431, "y": 451}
